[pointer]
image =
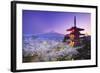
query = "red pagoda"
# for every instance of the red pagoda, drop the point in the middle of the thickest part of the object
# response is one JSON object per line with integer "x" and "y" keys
{"x": 75, "y": 34}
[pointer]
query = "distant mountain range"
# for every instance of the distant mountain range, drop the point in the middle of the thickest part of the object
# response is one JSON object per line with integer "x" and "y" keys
{"x": 46, "y": 36}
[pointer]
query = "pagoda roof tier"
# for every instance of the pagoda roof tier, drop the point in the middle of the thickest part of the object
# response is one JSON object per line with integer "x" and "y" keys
{"x": 75, "y": 28}
{"x": 77, "y": 33}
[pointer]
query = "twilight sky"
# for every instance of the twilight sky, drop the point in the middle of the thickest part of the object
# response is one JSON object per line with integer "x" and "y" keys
{"x": 36, "y": 22}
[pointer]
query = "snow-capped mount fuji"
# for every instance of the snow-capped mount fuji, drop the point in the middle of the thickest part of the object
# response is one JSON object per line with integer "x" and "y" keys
{"x": 51, "y": 36}
{"x": 46, "y": 36}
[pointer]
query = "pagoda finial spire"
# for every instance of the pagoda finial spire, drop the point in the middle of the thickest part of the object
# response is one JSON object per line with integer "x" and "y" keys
{"x": 74, "y": 21}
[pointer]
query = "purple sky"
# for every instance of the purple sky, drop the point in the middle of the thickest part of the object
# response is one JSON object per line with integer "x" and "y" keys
{"x": 35, "y": 22}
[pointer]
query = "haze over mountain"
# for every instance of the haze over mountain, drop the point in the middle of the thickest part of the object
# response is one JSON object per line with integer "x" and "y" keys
{"x": 46, "y": 36}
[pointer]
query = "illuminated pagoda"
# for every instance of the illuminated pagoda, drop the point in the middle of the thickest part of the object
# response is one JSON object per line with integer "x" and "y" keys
{"x": 75, "y": 34}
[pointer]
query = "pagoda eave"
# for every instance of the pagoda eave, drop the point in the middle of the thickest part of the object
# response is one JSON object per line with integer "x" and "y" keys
{"x": 79, "y": 29}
